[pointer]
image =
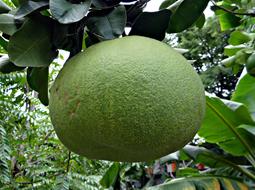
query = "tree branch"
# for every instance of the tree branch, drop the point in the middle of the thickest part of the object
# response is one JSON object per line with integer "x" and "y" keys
{"x": 68, "y": 162}
{"x": 232, "y": 12}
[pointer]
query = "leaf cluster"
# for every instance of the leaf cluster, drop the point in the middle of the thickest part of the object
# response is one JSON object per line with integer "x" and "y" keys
{"x": 34, "y": 31}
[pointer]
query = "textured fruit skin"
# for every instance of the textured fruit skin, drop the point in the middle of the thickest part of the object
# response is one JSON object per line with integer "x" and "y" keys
{"x": 130, "y": 99}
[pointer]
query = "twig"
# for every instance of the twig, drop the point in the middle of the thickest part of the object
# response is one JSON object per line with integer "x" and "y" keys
{"x": 68, "y": 162}
{"x": 232, "y": 12}
{"x": 48, "y": 135}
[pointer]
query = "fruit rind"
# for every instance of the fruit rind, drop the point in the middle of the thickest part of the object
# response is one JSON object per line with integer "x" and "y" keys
{"x": 129, "y": 99}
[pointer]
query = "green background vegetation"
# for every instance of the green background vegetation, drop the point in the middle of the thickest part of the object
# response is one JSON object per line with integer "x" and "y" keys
{"x": 221, "y": 48}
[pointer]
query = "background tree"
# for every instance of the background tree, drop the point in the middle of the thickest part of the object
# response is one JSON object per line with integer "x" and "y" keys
{"x": 206, "y": 49}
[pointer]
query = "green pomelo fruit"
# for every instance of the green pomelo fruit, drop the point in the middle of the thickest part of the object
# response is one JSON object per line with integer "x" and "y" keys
{"x": 128, "y": 99}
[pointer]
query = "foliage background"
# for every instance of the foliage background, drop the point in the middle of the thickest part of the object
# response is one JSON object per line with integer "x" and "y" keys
{"x": 33, "y": 158}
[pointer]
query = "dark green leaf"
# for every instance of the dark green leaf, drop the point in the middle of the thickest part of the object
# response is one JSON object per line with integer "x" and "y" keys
{"x": 183, "y": 156}
{"x": 209, "y": 158}
{"x": 250, "y": 63}
{"x": 183, "y": 172}
{"x": 229, "y": 62}
{"x": 7, "y": 24}
{"x": 3, "y": 43}
{"x": 90, "y": 40}
{"x": 202, "y": 155}
{"x": 245, "y": 93}
{"x": 4, "y": 8}
{"x": 62, "y": 183}
{"x": 133, "y": 11}
{"x": 7, "y": 67}
{"x": 16, "y": 3}
{"x": 228, "y": 21}
{"x": 186, "y": 15}
{"x": 66, "y": 12}
{"x": 248, "y": 128}
{"x": 37, "y": 79}
{"x": 200, "y": 21}
{"x": 166, "y": 3}
{"x": 242, "y": 57}
{"x": 67, "y": 36}
{"x": 227, "y": 184}
{"x": 31, "y": 45}
{"x": 152, "y": 24}
{"x": 221, "y": 123}
{"x": 239, "y": 37}
{"x": 110, "y": 25}
{"x": 30, "y": 6}
{"x": 19, "y": 2}
{"x": 201, "y": 183}
{"x": 105, "y": 4}
{"x": 61, "y": 33}
{"x": 110, "y": 176}
{"x": 232, "y": 50}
